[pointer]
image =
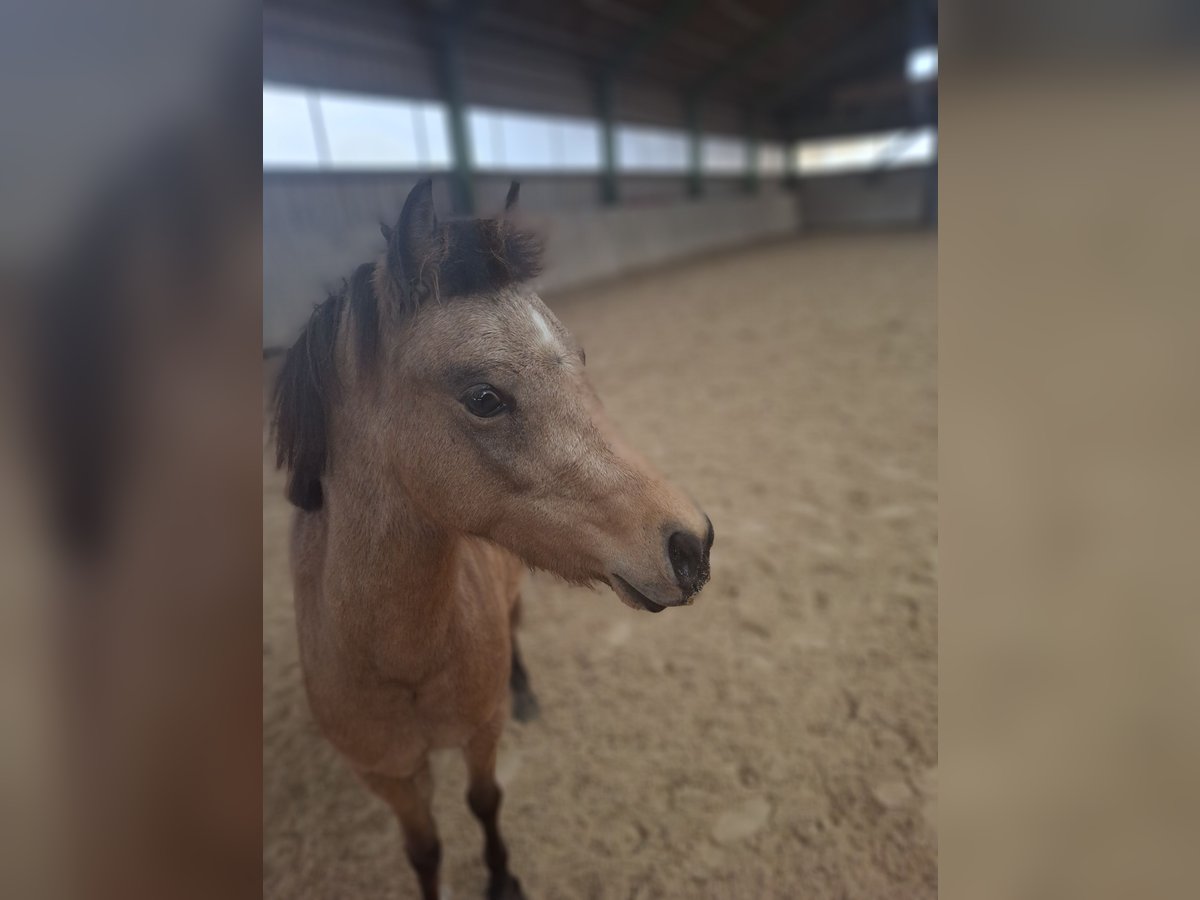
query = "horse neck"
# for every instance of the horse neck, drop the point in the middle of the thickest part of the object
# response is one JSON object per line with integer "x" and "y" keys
{"x": 390, "y": 571}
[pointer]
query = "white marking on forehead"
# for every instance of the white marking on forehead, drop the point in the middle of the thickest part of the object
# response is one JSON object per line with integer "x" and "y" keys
{"x": 543, "y": 327}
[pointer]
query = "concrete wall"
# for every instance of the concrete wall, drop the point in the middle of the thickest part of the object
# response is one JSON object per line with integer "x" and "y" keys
{"x": 895, "y": 197}
{"x": 582, "y": 247}
{"x": 318, "y": 227}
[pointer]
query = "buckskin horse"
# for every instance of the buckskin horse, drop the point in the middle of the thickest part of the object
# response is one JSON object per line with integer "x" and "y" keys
{"x": 440, "y": 435}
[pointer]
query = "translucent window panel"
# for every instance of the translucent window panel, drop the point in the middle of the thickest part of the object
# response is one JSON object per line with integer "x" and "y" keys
{"x": 528, "y": 141}
{"x": 723, "y": 154}
{"x": 288, "y": 139}
{"x": 580, "y": 145}
{"x": 889, "y": 150}
{"x": 631, "y": 148}
{"x": 432, "y": 122}
{"x": 651, "y": 149}
{"x": 370, "y": 132}
{"x": 514, "y": 140}
{"x": 771, "y": 159}
{"x": 486, "y": 142}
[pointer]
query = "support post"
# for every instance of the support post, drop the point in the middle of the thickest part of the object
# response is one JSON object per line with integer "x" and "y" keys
{"x": 751, "y": 183}
{"x": 449, "y": 62}
{"x": 791, "y": 169}
{"x": 695, "y": 173}
{"x": 609, "y": 189}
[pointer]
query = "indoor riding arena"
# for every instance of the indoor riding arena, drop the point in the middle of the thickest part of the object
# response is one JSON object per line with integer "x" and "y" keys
{"x": 738, "y": 203}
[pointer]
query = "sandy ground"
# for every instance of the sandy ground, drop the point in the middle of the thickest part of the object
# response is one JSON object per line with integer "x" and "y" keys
{"x": 777, "y": 739}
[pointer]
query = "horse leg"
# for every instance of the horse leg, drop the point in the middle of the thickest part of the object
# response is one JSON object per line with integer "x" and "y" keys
{"x": 483, "y": 796}
{"x": 410, "y": 799}
{"x": 524, "y": 704}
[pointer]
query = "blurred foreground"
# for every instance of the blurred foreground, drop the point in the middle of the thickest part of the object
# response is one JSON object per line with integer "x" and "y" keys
{"x": 131, "y": 267}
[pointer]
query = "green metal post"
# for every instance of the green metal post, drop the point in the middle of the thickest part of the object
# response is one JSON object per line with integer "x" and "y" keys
{"x": 695, "y": 175}
{"x": 449, "y": 59}
{"x": 791, "y": 176}
{"x": 751, "y": 184}
{"x": 638, "y": 45}
{"x": 609, "y": 190}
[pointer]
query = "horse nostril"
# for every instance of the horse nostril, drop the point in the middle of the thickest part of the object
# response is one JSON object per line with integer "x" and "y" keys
{"x": 688, "y": 560}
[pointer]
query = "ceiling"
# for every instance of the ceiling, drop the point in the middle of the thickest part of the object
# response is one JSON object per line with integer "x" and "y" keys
{"x": 809, "y": 67}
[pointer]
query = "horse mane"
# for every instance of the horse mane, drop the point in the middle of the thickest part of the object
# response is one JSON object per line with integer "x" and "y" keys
{"x": 464, "y": 257}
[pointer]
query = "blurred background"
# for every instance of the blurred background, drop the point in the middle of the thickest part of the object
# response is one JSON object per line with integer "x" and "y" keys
{"x": 739, "y": 200}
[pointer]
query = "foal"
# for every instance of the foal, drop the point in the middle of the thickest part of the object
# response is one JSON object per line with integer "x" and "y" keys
{"x": 441, "y": 434}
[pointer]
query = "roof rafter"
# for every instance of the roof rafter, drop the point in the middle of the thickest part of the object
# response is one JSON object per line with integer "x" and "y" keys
{"x": 842, "y": 58}
{"x": 652, "y": 34}
{"x": 766, "y": 37}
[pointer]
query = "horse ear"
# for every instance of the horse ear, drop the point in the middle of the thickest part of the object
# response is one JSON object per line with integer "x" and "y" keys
{"x": 413, "y": 243}
{"x": 386, "y": 230}
{"x": 418, "y": 219}
{"x": 514, "y": 194}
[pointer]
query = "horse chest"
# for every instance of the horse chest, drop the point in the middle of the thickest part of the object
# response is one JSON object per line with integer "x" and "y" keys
{"x": 389, "y": 693}
{"x": 466, "y": 692}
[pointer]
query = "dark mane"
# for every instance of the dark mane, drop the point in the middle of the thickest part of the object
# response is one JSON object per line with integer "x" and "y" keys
{"x": 479, "y": 256}
{"x": 300, "y": 396}
{"x": 464, "y": 257}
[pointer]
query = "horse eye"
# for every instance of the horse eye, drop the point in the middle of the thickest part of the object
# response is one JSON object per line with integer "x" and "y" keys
{"x": 484, "y": 401}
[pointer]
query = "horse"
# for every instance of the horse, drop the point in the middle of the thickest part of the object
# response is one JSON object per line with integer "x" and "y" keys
{"x": 440, "y": 435}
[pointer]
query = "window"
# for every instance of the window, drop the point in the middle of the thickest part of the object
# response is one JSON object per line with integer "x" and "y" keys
{"x": 288, "y": 140}
{"x": 580, "y": 144}
{"x": 382, "y": 133}
{"x": 890, "y": 150}
{"x": 923, "y": 64}
{"x": 723, "y": 155}
{"x": 771, "y": 159}
{"x": 651, "y": 149}
{"x": 311, "y": 129}
{"x": 513, "y": 140}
